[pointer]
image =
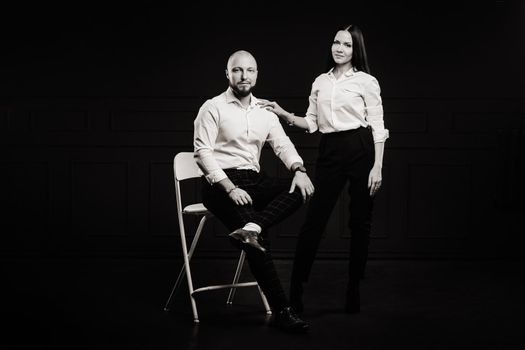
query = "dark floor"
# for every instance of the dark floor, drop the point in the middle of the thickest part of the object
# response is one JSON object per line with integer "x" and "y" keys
{"x": 112, "y": 303}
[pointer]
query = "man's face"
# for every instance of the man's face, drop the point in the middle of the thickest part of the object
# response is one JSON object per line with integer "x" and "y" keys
{"x": 242, "y": 74}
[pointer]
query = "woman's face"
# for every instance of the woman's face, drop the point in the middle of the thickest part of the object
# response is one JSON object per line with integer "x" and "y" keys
{"x": 342, "y": 47}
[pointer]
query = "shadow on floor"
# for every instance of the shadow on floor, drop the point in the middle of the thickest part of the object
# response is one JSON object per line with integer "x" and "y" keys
{"x": 111, "y": 303}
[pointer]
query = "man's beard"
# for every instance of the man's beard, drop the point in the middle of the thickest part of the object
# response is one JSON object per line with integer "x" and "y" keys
{"x": 241, "y": 93}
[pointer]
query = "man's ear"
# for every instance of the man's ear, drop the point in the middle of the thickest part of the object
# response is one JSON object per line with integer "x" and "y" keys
{"x": 227, "y": 75}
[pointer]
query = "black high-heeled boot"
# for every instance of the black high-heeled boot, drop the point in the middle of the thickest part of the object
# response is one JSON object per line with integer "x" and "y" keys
{"x": 296, "y": 295}
{"x": 353, "y": 302}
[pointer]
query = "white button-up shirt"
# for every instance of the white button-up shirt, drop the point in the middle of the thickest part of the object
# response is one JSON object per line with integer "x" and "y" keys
{"x": 346, "y": 103}
{"x": 226, "y": 135}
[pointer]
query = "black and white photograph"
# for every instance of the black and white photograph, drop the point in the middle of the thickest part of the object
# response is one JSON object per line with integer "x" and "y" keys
{"x": 263, "y": 175}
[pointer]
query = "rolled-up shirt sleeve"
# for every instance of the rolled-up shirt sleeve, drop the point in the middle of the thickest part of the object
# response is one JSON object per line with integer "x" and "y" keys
{"x": 311, "y": 113}
{"x": 206, "y": 129}
{"x": 282, "y": 145}
{"x": 374, "y": 110}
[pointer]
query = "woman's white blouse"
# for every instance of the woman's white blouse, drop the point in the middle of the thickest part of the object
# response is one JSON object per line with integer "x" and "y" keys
{"x": 352, "y": 101}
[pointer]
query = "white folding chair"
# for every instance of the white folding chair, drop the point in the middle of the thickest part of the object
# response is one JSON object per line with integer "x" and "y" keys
{"x": 184, "y": 167}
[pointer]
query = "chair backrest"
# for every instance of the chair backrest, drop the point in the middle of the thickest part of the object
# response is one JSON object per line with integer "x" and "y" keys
{"x": 184, "y": 166}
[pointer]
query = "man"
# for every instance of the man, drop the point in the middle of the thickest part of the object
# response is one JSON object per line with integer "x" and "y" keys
{"x": 230, "y": 132}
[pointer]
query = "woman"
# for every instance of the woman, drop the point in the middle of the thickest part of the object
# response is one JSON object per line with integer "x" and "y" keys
{"x": 345, "y": 106}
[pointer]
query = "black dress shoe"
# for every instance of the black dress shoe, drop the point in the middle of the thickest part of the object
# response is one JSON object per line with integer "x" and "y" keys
{"x": 288, "y": 321}
{"x": 246, "y": 240}
{"x": 296, "y": 296}
{"x": 352, "y": 300}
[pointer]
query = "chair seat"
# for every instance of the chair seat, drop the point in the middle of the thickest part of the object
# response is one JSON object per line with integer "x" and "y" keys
{"x": 195, "y": 209}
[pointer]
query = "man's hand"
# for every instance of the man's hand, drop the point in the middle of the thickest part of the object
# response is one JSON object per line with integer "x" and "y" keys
{"x": 302, "y": 181}
{"x": 240, "y": 196}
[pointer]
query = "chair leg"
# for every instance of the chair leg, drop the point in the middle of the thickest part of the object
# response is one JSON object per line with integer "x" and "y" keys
{"x": 198, "y": 234}
{"x": 236, "y": 277}
{"x": 190, "y": 254}
{"x": 175, "y": 287}
{"x": 190, "y": 282}
{"x": 236, "y": 280}
{"x": 192, "y": 299}
{"x": 185, "y": 271}
{"x": 265, "y": 301}
{"x": 186, "y": 268}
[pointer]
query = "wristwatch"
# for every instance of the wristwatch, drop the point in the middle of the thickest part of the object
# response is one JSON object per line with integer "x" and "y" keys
{"x": 300, "y": 168}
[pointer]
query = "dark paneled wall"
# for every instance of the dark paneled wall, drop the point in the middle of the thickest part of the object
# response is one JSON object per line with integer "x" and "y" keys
{"x": 95, "y": 105}
{"x": 84, "y": 176}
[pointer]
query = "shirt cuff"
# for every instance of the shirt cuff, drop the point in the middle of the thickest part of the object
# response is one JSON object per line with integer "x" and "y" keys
{"x": 380, "y": 135}
{"x": 292, "y": 161}
{"x": 374, "y": 111}
{"x": 375, "y": 120}
{"x": 312, "y": 126}
{"x": 216, "y": 176}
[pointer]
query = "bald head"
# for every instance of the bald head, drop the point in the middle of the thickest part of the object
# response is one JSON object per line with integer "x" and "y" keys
{"x": 241, "y": 73}
{"x": 241, "y": 55}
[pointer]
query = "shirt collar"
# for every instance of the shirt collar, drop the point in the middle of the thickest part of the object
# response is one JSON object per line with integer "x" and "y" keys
{"x": 348, "y": 73}
{"x": 230, "y": 98}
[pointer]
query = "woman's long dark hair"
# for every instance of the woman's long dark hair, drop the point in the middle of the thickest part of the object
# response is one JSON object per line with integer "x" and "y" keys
{"x": 359, "y": 59}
